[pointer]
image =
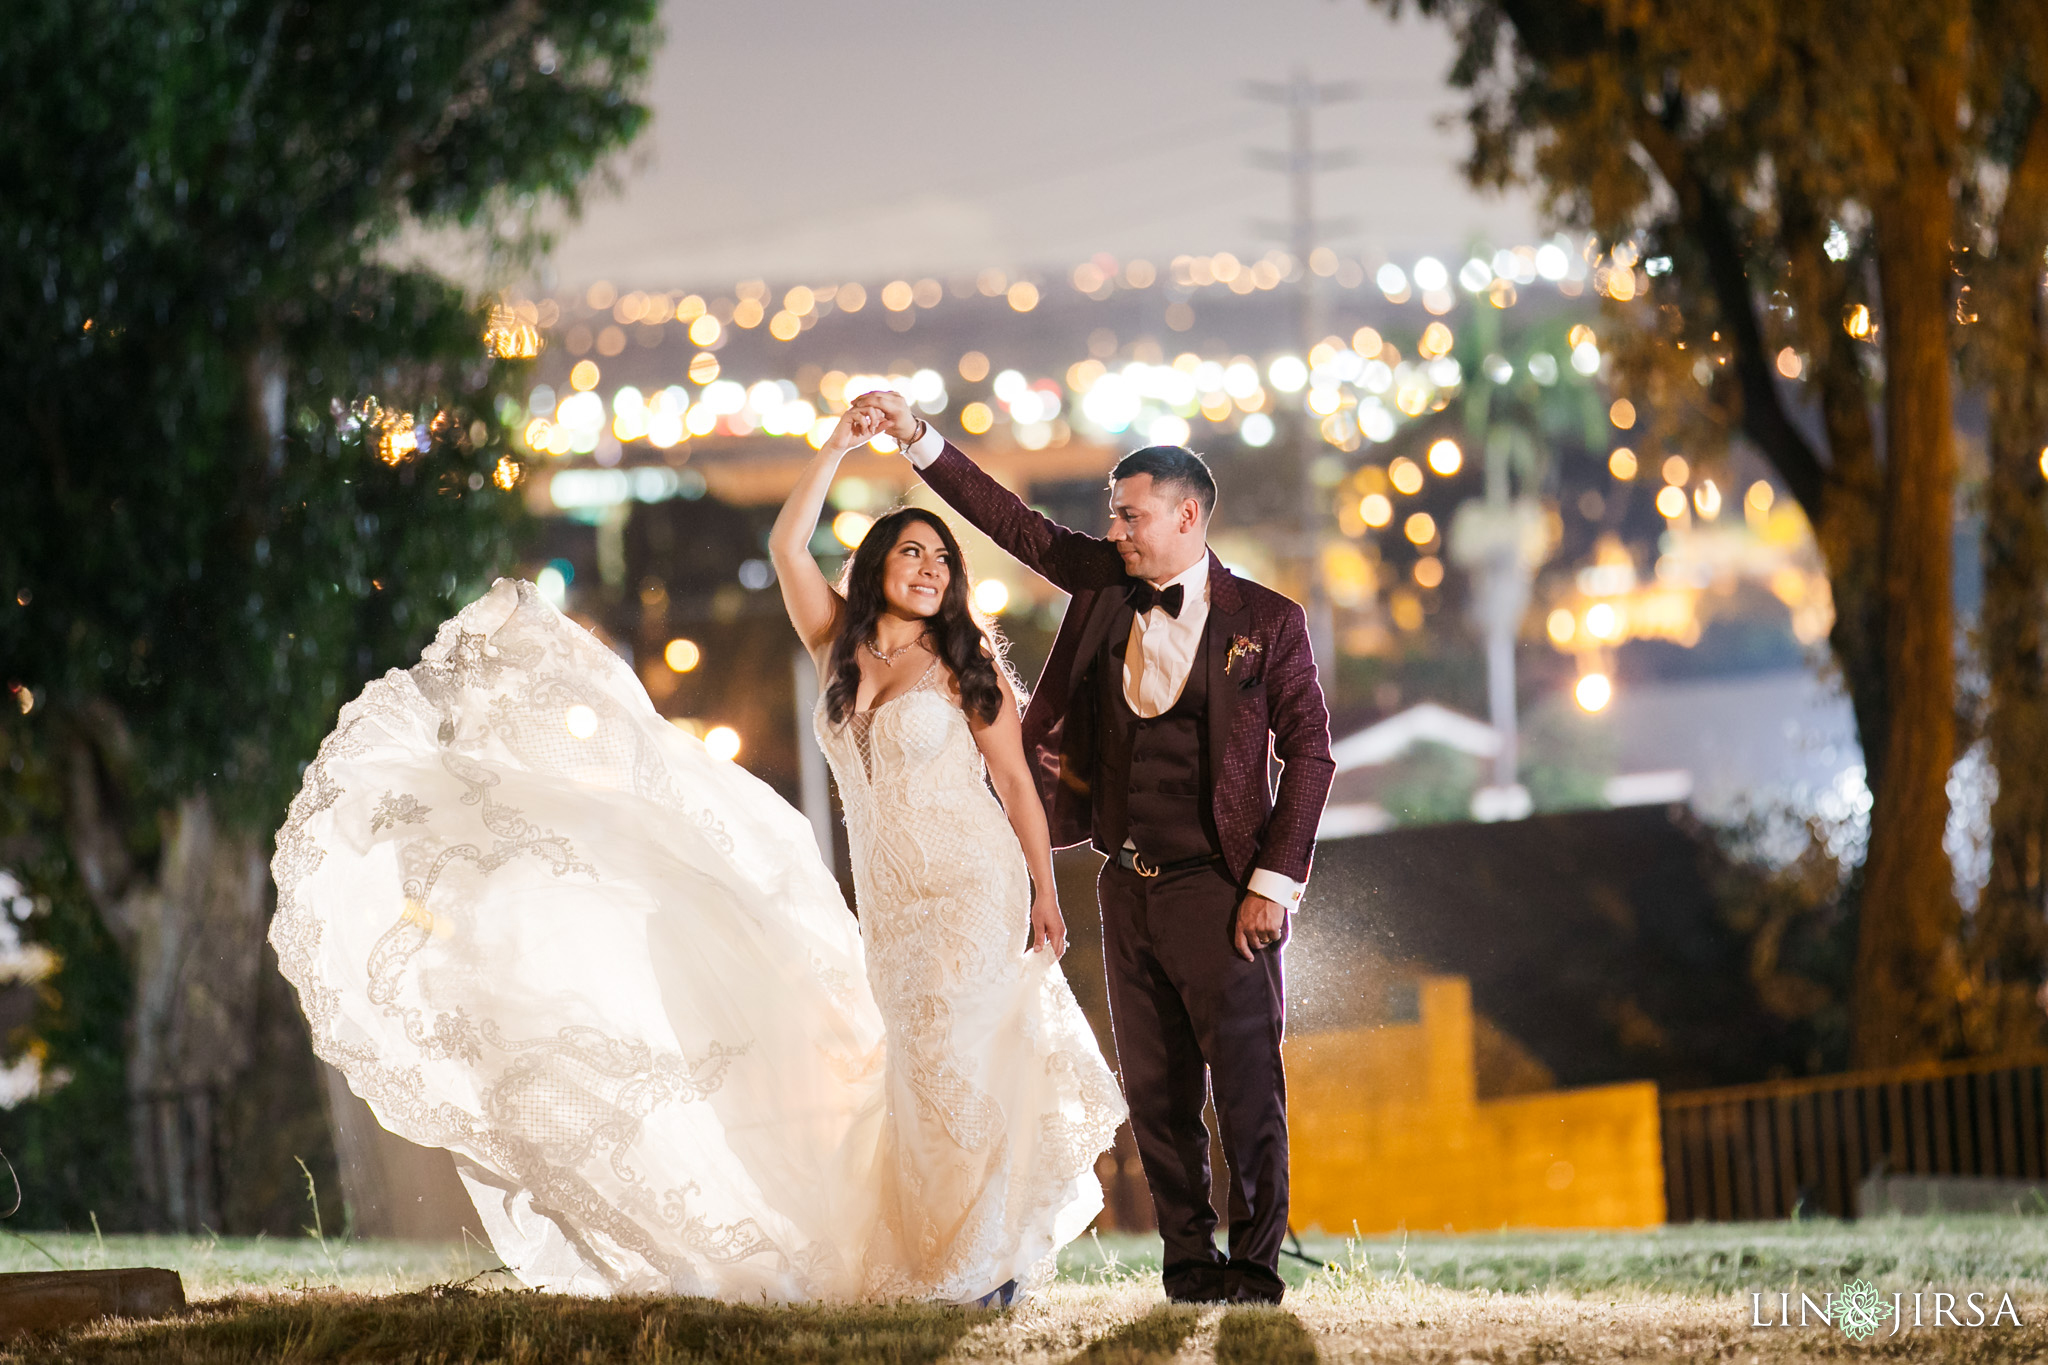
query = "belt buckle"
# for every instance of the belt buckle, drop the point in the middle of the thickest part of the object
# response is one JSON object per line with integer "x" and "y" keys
{"x": 1138, "y": 865}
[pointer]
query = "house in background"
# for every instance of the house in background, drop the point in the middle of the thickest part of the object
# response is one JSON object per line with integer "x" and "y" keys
{"x": 1716, "y": 744}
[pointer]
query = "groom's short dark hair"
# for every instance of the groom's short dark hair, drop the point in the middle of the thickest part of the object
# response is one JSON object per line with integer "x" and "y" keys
{"x": 1175, "y": 470}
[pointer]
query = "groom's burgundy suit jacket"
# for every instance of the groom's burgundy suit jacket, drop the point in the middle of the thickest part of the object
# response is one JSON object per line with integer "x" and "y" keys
{"x": 1265, "y": 701}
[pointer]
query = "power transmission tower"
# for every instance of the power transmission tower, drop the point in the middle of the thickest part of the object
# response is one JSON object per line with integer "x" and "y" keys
{"x": 1301, "y": 96}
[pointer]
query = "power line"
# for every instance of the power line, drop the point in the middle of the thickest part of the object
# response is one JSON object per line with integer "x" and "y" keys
{"x": 1301, "y": 96}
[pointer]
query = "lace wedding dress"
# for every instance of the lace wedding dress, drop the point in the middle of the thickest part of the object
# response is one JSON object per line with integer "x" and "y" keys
{"x": 532, "y": 922}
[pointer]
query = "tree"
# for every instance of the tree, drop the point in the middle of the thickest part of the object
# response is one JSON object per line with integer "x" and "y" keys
{"x": 251, "y": 462}
{"x": 2007, "y": 355}
{"x": 1793, "y": 163}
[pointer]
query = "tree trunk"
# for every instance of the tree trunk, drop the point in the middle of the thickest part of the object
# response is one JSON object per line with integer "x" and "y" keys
{"x": 2009, "y": 942}
{"x": 190, "y": 923}
{"x": 1908, "y": 972}
{"x": 1847, "y": 528}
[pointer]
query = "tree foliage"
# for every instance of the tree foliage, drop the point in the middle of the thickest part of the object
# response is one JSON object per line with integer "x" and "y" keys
{"x": 1821, "y": 188}
{"x": 251, "y": 458}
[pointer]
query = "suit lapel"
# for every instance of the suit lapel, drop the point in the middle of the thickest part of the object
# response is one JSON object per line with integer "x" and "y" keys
{"x": 1229, "y": 616}
{"x": 1102, "y": 614}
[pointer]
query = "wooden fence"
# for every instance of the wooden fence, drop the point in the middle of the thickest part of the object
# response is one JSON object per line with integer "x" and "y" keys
{"x": 1762, "y": 1151}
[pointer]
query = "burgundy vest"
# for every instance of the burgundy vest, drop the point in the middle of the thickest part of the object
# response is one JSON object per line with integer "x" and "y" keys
{"x": 1153, "y": 774}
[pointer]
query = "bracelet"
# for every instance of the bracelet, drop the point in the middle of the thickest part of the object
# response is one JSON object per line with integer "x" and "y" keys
{"x": 917, "y": 436}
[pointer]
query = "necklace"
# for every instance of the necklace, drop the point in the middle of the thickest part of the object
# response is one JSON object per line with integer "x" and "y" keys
{"x": 890, "y": 657}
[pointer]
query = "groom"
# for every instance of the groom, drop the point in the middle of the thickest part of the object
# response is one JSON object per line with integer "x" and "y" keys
{"x": 1149, "y": 735}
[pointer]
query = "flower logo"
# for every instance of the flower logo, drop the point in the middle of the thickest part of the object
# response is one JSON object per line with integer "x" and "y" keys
{"x": 1859, "y": 1309}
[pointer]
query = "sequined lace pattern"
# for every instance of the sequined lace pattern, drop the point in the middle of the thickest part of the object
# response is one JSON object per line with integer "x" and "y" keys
{"x": 999, "y": 1100}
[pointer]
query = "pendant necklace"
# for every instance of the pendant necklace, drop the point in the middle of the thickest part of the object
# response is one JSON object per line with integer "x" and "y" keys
{"x": 890, "y": 657}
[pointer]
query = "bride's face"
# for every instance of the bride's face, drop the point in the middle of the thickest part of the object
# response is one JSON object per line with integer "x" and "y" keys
{"x": 918, "y": 569}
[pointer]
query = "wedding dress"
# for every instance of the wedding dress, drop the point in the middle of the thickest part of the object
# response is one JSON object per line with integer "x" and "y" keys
{"x": 532, "y": 922}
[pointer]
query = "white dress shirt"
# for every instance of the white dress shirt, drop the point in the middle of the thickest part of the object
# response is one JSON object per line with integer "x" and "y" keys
{"x": 1162, "y": 647}
{"x": 1157, "y": 658}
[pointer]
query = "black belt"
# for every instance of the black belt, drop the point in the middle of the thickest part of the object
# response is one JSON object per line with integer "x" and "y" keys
{"x": 1137, "y": 862}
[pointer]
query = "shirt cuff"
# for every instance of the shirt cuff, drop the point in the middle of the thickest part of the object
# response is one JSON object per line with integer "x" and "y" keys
{"x": 925, "y": 448}
{"x": 1274, "y": 887}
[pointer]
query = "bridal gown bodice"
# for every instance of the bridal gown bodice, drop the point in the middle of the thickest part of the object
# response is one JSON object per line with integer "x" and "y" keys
{"x": 532, "y": 922}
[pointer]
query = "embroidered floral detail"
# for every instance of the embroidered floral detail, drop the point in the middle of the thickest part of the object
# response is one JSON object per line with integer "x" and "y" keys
{"x": 393, "y": 811}
{"x": 975, "y": 1185}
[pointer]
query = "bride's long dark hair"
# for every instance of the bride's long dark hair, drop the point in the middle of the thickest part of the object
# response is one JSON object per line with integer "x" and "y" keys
{"x": 969, "y": 645}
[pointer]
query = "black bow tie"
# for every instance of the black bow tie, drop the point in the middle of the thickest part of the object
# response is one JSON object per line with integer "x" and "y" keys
{"x": 1143, "y": 597}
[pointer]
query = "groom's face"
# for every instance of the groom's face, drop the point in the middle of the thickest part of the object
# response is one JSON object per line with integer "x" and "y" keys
{"x": 1157, "y": 532}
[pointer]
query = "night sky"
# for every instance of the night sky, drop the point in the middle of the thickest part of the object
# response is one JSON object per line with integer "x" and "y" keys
{"x": 800, "y": 139}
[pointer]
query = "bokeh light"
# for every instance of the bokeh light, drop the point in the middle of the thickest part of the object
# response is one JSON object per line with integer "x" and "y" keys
{"x": 851, "y": 527}
{"x": 682, "y": 655}
{"x": 1593, "y": 692}
{"x": 722, "y": 742}
{"x": 553, "y": 586}
{"x": 991, "y": 595}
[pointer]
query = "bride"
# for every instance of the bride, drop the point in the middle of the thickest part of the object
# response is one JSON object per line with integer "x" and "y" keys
{"x": 533, "y": 923}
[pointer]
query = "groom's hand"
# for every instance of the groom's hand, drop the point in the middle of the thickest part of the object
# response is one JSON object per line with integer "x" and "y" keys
{"x": 1260, "y": 922}
{"x": 895, "y": 411}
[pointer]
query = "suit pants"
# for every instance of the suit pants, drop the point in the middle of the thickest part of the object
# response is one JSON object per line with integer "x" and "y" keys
{"x": 1188, "y": 1012}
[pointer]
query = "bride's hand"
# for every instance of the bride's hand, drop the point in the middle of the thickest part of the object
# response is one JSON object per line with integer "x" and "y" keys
{"x": 857, "y": 426}
{"x": 1048, "y": 928}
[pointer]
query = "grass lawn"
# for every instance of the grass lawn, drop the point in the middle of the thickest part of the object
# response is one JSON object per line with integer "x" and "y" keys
{"x": 1675, "y": 1293}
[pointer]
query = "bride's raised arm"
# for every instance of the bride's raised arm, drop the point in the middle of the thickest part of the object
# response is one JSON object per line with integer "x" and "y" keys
{"x": 812, "y": 604}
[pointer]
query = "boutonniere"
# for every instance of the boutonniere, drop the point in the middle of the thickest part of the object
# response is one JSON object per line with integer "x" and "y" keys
{"x": 1240, "y": 648}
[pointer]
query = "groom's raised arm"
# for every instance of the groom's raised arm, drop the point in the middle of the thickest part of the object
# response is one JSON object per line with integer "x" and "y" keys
{"x": 1068, "y": 559}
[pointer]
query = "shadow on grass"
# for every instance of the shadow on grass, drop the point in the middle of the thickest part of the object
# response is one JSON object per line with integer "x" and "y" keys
{"x": 515, "y": 1326}
{"x": 1143, "y": 1341}
{"x": 1263, "y": 1336}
